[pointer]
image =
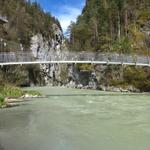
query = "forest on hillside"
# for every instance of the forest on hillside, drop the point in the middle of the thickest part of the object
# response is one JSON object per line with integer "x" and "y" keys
{"x": 121, "y": 26}
{"x": 25, "y": 20}
{"x": 115, "y": 26}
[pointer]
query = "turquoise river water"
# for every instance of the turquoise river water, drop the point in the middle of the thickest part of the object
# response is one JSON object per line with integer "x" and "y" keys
{"x": 71, "y": 119}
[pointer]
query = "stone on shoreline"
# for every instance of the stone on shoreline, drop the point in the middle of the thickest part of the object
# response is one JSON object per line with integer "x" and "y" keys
{"x": 15, "y": 101}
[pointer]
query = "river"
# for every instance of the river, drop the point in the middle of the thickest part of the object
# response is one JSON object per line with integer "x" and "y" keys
{"x": 71, "y": 119}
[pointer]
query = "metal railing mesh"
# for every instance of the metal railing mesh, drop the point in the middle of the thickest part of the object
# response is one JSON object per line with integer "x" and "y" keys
{"x": 73, "y": 56}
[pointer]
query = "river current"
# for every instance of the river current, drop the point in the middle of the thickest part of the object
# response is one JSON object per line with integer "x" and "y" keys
{"x": 71, "y": 119}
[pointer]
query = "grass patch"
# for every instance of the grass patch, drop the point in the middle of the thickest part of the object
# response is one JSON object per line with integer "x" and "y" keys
{"x": 10, "y": 91}
{"x": 15, "y": 92}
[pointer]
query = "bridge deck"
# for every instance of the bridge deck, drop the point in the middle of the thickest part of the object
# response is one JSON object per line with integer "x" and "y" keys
{"x": 73, "y": 62}
{"x": 67, "y": 58}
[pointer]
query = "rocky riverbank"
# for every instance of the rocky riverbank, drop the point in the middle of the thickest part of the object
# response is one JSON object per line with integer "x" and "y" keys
{"x": 102, "y": 87}
{"x": 98, "y": 77}
{"x": 12, "y": 96}
{"x": 16, "y": 101}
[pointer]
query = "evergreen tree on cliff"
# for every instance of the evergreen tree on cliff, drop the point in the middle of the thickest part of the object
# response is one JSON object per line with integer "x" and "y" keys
{"x": 112, "y": 25}
{"x": 26, "y": 19}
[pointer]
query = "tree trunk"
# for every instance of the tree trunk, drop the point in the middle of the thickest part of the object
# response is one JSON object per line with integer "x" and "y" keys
{"x": 96, "y": 33}
{"x": 126, "y": 22}
{"x": 119, "y": 27}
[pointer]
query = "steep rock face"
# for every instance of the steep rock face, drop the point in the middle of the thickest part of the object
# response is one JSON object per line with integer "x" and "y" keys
{"x": 60, "y": 74}
{"x": 39, "y": 47}
{"x": 66, "y": 74}
{"x": 42, "y": 50}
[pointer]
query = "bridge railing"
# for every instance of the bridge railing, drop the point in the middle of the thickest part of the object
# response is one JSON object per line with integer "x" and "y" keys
{"x": 15, "y": 57}
{"x": 73, "y": 56}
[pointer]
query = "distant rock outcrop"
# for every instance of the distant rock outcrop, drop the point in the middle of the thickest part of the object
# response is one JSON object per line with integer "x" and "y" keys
{"x": 42, "y": 50}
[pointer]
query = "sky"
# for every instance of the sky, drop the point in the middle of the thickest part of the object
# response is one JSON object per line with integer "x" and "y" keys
{"x": 64, "y": 10}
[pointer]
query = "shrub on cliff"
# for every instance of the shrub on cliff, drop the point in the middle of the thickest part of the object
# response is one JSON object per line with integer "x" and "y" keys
{"x": 139, "y": 77}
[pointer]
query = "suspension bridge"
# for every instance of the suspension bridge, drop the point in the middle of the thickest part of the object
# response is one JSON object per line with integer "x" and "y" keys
{"x": 27, "y": 58}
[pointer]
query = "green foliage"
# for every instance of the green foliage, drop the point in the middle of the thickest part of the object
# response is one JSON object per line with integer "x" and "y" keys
{"x": 16, "y": 75}
{"x": 21, "y": 75}
{"x": 64, "y": 73}
{"x": 107, "y": 25}
{"x": 118, "y": 83}
{"x": 123, "y": 46}
{"x": 10, "y": 91}
{"x": 138, "y": 77}
{"x": 7, "y": 90}
{"x": 25, "y": 19}
{"x": 87, "y": 67}
{"x": 34, "y": 74}
{"x": 114, "y": 26}
{"x": 143, "y": 16}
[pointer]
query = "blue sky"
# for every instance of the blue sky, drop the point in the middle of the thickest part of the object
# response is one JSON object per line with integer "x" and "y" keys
{"x": 65, "y": 10}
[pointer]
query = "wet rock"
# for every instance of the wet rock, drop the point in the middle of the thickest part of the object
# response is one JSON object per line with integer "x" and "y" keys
{"x": 71, "y": 84}
{"x": 8, "y": 105}
{"x": 133, "y": 89}
{"x": 10, "y": 100}
{"x": 102, "y": 88}
{"x": 124, "y": 90}
{"x": 115, "y": 89}
{"x": 79, "y": 86}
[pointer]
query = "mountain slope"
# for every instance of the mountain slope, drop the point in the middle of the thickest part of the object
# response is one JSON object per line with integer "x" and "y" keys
{"x": 118, "y": 26}
{"x": 28, "y": 28}
{"x": 25, "y": 20}
{"x": 112, "y": 25}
